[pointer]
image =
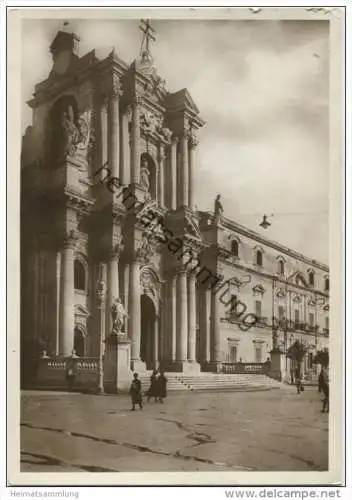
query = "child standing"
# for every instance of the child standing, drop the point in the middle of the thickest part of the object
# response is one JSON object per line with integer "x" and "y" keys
{"x": 136, "y": 392}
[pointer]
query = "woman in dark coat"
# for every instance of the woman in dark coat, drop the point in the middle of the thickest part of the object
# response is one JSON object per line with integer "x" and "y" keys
{"x": 162, "y": 387}
{"x": 136, "y": 392}
{"x": 153, "y": 389}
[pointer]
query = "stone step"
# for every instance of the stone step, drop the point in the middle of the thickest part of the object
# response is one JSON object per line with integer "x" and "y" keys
{"x": 209, "y": 381}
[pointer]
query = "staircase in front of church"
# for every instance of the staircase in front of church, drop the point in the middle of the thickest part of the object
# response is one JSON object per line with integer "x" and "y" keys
{"x": 214, "y": 382}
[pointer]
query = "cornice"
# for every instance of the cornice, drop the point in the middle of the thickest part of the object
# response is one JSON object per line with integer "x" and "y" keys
{"x": 237, "y": 228}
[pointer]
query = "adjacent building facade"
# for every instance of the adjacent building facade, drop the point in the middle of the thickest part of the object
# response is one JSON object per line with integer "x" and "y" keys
{"x": 108, "y": 212}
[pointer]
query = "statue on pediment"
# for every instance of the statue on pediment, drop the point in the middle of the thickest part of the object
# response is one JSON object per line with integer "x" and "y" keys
{"x": 218, "y": 210}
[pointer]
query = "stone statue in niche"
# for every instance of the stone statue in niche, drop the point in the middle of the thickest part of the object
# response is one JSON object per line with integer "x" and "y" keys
{"x": 77, "y": 138}
{"x": 145, "y": 177}
{"x": 118, "y": 314}
{"x": 71, "y": 132}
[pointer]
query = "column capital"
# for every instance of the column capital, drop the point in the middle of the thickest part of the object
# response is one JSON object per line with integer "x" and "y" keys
{"x": 162, "y": 153}
{"x": 193, "y": 140}
{"x": 116, "y": 90}
{"x": 175, "y": 139}
{"x": 70, "y": 239}
{"x": 115, "y": 251}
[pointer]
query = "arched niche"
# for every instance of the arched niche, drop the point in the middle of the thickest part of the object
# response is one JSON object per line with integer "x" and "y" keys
{"x": 150, "y": 285}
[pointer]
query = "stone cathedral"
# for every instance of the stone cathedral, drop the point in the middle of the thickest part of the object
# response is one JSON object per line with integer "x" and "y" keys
{"x": 86, "y": 250}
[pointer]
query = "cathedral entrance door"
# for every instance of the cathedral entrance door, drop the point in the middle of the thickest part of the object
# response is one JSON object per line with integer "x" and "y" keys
{"x": 148, "y": 329}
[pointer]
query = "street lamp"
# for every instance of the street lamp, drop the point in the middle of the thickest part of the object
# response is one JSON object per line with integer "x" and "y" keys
{"x": 101, "y": 293}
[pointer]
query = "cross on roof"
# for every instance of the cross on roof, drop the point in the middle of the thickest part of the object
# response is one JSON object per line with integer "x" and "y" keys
{"x": 148, "y": 35}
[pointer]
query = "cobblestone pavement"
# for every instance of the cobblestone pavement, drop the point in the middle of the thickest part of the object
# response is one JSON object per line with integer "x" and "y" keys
{"x": 243, "y": 431}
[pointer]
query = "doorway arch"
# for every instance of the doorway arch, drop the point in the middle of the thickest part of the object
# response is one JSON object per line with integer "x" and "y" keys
{"x": 79, "y": 344}
{"x": 149, "y": 332}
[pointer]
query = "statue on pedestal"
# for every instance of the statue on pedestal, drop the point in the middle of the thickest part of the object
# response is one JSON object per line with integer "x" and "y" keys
{"x": 218, "y": 210}
{"x": 118, "y": 314}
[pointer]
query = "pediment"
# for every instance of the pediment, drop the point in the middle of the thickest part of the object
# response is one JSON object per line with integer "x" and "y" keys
{"x": 298, "y": 279}
{"x": 81, "y": 310}
{"x": 182, "y": 99}
{"x": 258, "y": 290}
{"x": 192, "y": 228}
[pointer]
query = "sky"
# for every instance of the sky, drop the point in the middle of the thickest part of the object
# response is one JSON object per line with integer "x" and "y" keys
{"x": 263, "y": 89}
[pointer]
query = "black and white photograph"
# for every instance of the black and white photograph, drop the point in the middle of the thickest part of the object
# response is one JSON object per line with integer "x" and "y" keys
{"x": 175, "y": 205}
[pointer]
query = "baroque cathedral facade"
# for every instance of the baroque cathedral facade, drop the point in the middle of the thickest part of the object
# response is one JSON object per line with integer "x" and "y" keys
{"x": 108, "y": 216}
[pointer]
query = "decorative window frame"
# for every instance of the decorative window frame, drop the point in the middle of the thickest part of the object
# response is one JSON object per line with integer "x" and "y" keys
{"x": 280, "y": 259}
{"x": 258, "y": 290}
{"x": 235, "y": 239}
{"x": 326, "y": 278}
{"x": 297, "y": 299}
{"x": 310, "y": 272}
{"x": 84, "y": 261}
{"x": 257, "y": 249}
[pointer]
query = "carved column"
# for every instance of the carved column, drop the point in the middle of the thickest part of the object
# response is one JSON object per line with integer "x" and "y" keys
{"x": 173, "y": 311}
{"x": 112, "y": 283}
{"x": 104, "y": 134}
{"x": 125, "y": 147}
{"x": 215, "y": 323}
{"x": 58, "y": 279}
{"x": 67, "y": 318}
{"x": 192, "y": 317}
{"x": 191, "y": 166}
{"x": 134, "y": 307}
{"x": 126, "y": 276}
{"x": 156, "y": 340}
{"x": 205, "y": 323}
{"x": 135, "y": 140}
{"x": 184, "y": 170}
{"x": 161, "y": 178}
{"x": 182, "y": 322}
{"x": 114, "y": 128}
{"x": 173, "y": 173}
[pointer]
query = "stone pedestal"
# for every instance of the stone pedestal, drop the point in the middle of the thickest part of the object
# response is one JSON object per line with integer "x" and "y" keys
{"x": 277, "y": 369}
{"x": 117, "y": 372}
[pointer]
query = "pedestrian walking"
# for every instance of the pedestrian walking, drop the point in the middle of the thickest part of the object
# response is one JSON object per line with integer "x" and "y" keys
{"x": 298, "y": 378}
{"x": 153, "y": 390}
{"x": 325, "y": 388}
{"x": 162, "y": 387}
{"x": 136, "y": 392}
{"x": 320, "y": 380}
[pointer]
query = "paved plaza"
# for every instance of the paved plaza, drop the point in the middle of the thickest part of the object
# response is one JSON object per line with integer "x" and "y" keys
{"x": 224, "y": 431}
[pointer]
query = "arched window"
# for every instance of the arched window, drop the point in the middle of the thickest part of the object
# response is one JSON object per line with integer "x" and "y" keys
{"x": 79, "y": 276}
{"x": 259, "y": 258}
{"x": 311, "y": 278}
{"x": 327, "y": 284}
{"x": 234, "y": 248}
{"x": 281, "y": 266}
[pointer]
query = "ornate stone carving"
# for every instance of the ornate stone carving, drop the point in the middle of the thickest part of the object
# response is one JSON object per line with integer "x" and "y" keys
{"x": 153, "y": 124}
{"x": 144, "y": 251}
{"x": 116, "y": 88}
